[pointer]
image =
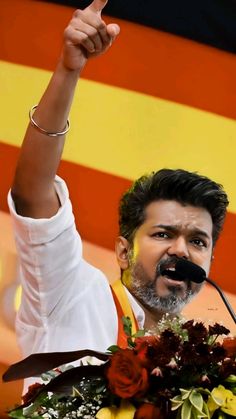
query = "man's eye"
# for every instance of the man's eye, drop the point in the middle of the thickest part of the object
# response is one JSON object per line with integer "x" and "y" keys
{"x": 199, "y": 243}
{"x": 161, "y": 234}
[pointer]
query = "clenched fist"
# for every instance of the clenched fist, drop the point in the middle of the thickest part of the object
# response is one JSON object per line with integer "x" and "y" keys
{"x": 87, "y": 35}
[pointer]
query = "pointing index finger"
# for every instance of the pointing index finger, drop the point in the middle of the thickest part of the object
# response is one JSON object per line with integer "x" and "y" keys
{"x": 98, "y": 5}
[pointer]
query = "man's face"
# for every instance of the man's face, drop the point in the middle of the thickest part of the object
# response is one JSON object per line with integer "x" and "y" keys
{"x": 170, "y": 231}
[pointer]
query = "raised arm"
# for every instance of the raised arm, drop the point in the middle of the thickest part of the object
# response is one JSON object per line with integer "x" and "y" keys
{"x": 33, "y": 191}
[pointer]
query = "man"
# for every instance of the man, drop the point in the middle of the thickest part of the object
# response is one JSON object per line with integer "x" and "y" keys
{"x": 68, "y": 304}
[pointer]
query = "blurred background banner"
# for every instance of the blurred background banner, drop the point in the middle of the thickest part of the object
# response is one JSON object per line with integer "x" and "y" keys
{"x": 164, "y": 96}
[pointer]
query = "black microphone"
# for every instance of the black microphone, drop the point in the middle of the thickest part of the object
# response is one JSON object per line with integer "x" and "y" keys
{"x": 186, "y": 270}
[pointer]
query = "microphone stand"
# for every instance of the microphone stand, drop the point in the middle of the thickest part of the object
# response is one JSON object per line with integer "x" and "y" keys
{"x": 226, "y": 302}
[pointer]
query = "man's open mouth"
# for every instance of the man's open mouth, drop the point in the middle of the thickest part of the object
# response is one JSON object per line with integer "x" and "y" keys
{"x": 172, "y": 273}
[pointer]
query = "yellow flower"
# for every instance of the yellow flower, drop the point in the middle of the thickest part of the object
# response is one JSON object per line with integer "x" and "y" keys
{"x": 125, "y": 411}
{"x": 222, "y": 399}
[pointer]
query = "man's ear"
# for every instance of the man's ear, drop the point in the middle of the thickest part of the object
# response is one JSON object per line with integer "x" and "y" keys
{"x": 122, "y": 248}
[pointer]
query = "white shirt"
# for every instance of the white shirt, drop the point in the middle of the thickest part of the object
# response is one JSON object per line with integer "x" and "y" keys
{"x": 66, "y": 302}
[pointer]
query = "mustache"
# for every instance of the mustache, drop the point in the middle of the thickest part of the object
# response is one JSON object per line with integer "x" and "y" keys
{"x": 166, "y": 263}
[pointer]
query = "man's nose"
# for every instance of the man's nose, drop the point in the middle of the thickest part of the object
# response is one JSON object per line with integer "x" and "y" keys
{"x": 179, "y": 248}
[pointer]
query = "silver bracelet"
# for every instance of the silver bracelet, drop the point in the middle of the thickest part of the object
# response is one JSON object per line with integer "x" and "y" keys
{"x": 43, "y": 131}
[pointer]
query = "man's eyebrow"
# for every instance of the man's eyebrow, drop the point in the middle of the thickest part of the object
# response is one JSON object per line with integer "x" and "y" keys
{"x": 176, "y": 228}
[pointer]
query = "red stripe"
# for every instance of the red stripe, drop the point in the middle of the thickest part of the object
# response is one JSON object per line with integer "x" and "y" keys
{"x": 143, "y": 59}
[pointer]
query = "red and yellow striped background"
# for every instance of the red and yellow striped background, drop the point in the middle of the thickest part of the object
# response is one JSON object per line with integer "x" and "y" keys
{"x": 155, "y": 100}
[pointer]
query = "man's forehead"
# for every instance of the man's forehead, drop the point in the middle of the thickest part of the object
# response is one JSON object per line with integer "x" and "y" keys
{"x": 173, "y": 213}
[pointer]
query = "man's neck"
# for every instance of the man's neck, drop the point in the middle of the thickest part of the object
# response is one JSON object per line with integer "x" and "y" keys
{"x": 152, "y": 317}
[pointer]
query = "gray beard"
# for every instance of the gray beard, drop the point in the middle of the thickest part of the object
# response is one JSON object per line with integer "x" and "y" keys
{"x": 143, "y": 289}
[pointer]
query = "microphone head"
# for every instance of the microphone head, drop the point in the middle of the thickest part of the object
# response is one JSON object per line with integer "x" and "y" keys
{"x": 186, "y": 270}
{"x": 190, "y": 271}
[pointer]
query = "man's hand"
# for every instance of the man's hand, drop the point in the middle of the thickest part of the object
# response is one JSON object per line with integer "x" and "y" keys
{"x": 87, "y": 35}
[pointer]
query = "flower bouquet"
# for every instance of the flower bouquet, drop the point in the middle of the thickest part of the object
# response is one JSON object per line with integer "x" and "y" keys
{"x": 184, "y": 370}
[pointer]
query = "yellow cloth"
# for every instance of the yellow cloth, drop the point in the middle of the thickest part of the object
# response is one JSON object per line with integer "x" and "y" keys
{"x": 122, "y": 297}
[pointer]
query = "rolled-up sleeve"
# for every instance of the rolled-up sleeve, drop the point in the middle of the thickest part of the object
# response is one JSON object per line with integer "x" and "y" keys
{"x": 50, "y": 251}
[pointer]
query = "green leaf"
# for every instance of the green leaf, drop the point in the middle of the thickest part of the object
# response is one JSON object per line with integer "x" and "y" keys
{"x": 16, "y": 414}
{"x": 231, "y": 379}
{"x": 131, "y": 343}
{"x": 29, "y": 410}
{"x": 139, "y": 334}
{"x": 196, "y": 414}
{"x": 113, "y": 349}
{"x": 196, "y": 400}
{"x": 203, "y": 390}
{"x": 76, "y": 392}
{"x": 127, "y": 326}
{"x": 206, "y": 410}
{"x": 176, "y": 402}
{"x": 186, "y": 410}
{"x": 185, "y": 393}
{"x": 177, "y": 398}
{"x": 100, "y": 389}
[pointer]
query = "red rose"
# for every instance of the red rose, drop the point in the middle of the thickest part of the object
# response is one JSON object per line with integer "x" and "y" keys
{"x": 229, "y": 344}
{"x": 126, "y": 375}
{"x": 148, "y": 411}
{"x": 142, "y": 345}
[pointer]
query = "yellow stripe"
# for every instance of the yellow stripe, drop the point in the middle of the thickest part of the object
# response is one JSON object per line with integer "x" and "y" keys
{"x": 126, "y": 133}
{"x": 122, "y": 297}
